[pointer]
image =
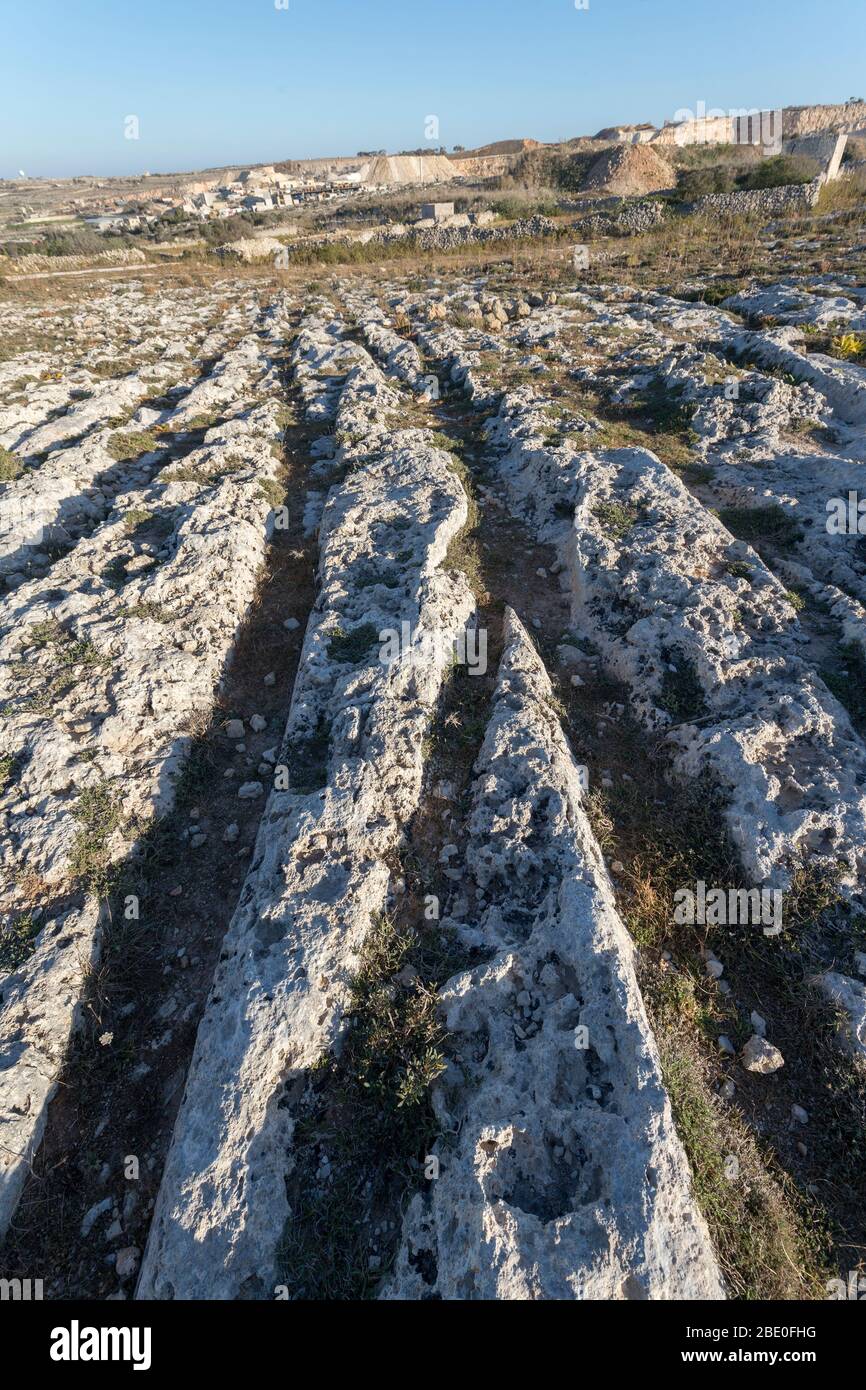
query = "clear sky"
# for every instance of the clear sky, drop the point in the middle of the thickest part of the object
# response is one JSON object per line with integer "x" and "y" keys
{"x": 215, "y": 82}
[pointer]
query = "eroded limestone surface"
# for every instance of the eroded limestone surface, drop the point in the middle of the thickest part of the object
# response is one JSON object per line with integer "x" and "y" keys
{"x": 561, "y": 1175}
{"x": 353, "y": 750}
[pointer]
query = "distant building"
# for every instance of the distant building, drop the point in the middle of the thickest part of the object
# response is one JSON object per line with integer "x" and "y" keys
{"x": 436, "y": 212}
{"x": 109, "y": 223}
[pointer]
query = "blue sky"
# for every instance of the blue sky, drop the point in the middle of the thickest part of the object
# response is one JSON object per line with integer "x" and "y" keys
{"x": 239, "y": 81}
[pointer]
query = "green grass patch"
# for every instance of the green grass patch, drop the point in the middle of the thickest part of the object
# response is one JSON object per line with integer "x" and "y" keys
{"x": 682, "y": 693}
{"x": 847, "y": 681}
{"x": 352, "y": 645}
{"x": 131, "y": 444}
{"x": 779, "y": 1219}
{"x": 369, "y": 1112}
{"x": 11, "y": 466}
{"x": 69, "y": 654}
{"x": 697, "y": 474}
{"x": 137, "y": 516}
{"x": 758, "y": 526}
{"x": 617, "y": 518}
{"x": 8, "y": 765}
{"x": 308, "y": 760}
{"x": 98, "y": 814}
{"x": 157, "y": 612}
{"x": 273, "y": 492}
{"x": 182, "y": 473}
{"x": 17, "y": 942}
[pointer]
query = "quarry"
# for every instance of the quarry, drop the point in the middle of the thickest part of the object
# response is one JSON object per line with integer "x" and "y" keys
{"x": 433, "y": 769}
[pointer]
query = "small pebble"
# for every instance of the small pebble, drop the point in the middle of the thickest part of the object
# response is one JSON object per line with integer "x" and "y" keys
{"x": 127, "y": 1262}
{"x": 93, "y": 1215}
{"x": 760, "y": 1056}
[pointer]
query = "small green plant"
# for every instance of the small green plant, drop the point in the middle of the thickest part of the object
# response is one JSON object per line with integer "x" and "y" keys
{"x": 114, "y": 574}
{"x": 11, "y": 466}
{"x": 8, "y": 768}
{"x": 439, "y": 440}
{"x": 850, "y": 347}
{"x": 155, "y": 611}
{"x": 69, "y": 651}
{"x": 739, "y": 569}
{"x": 308, "y": 760}
{"x": 353, "y": 645}
{"x": 68, "y": 655}
{"x": 17, "y": 943}
{"x": 696, "y": 474}
{"x": 762, "y": 525}
{"x": 616, "y": 517}
{"x": 136, "y": 516}
{"x": 183, "y": 474}
{"x": 847, "y": 681}
{"x": 272, "y": 491}
{"x": 99, "y": 815}
{"x": 721, "y": 290}
{"x": 41, "y": 634}
{"x": 79, "y": 653}
{"x": 200, "y": 423}
{"x": 131, "y": 445}
{"x": 682, "y": 693}
{"x": 662, "y": 404}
